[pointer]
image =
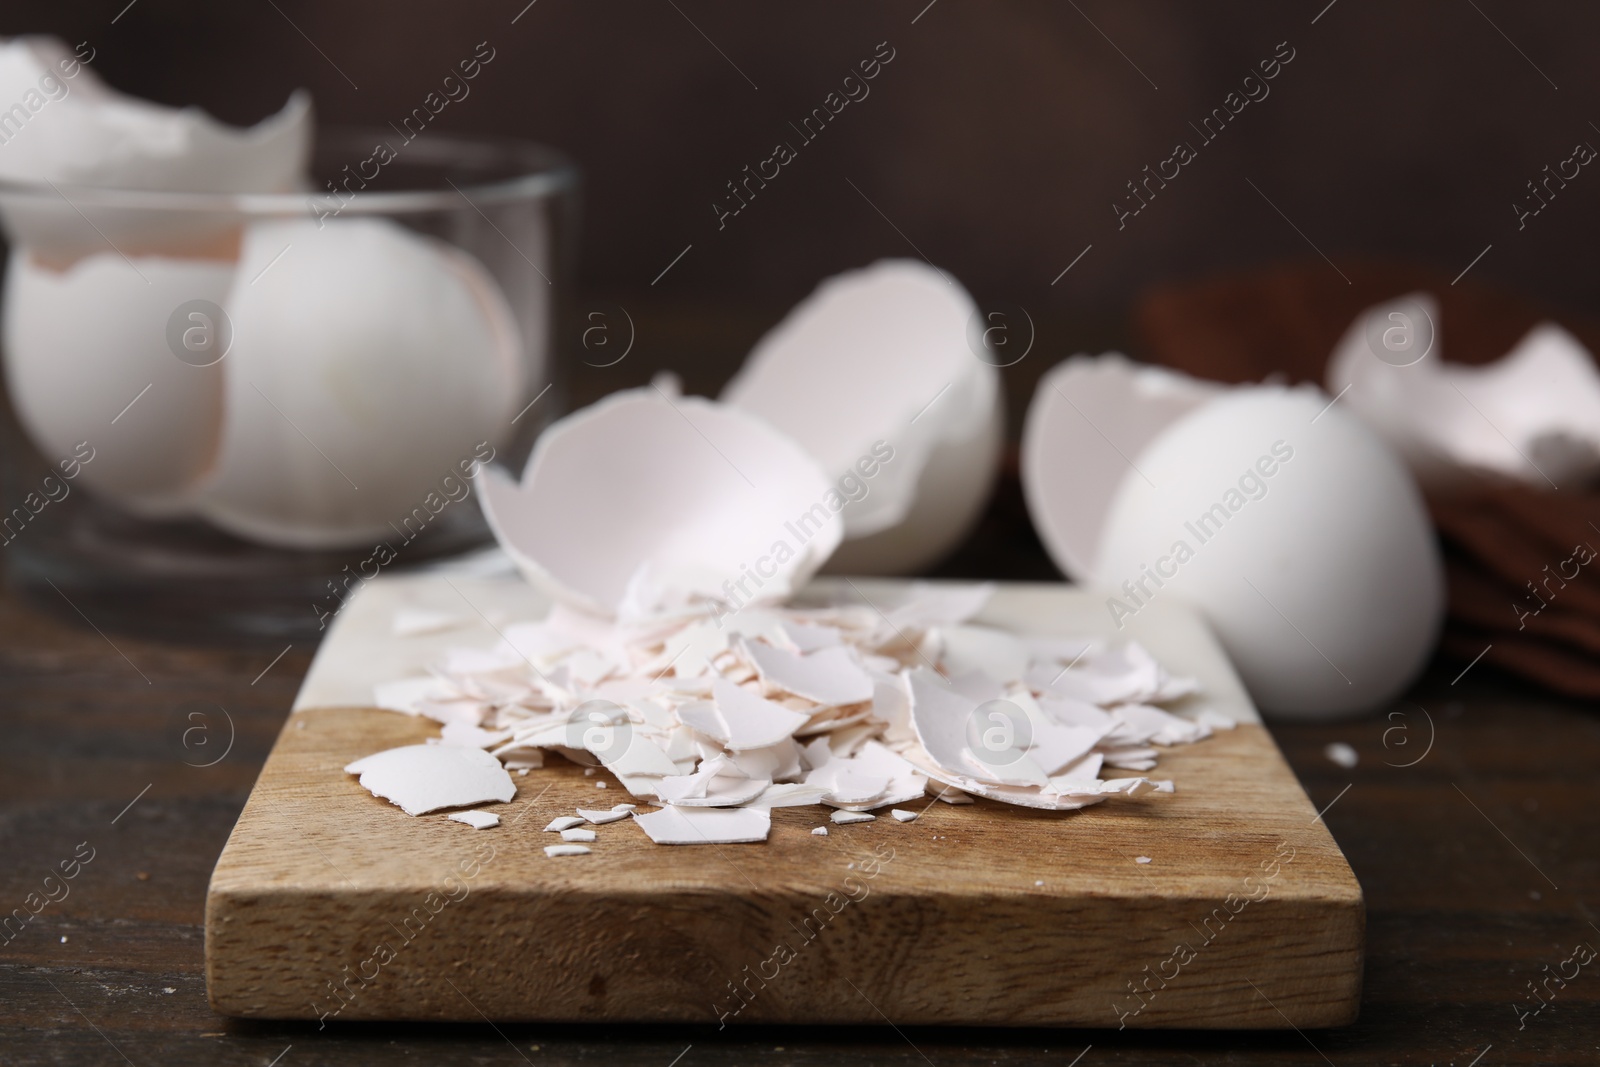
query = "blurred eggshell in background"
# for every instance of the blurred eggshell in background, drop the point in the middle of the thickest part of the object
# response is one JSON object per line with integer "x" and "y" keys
{"x": 689, "y": 491}
{"x": 368, "y": 364}
{"x": 1532, "y": 416}
{"x": 1322, "y": 579}
{"x": 82, "y": 344}
{"x": 1090, "y": 415}
{"x": 94, "y": 135}
{"x": 81, "y": 132}
{"x": 882, "y": 354}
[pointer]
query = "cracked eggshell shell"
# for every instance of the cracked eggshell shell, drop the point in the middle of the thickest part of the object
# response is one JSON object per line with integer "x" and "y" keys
{"x": 882, "y": 354}
{"x": 368, "y": 364}
{"x": 88, "y": 134}
{"x": 1532, "y": 415}
{"x": 1545, "y": 395}
{"x": 688, "y": 487}
{"x": 1401, "y": 403}
{"x": 1090, "y": 415}
{"x": 1322, "y": 579}
{"x": 81, "y": 343}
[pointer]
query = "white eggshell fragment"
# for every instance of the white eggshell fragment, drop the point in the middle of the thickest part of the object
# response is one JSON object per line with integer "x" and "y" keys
{"x": 90, "y": 134}
{"x": 74, "y": 130}
{"x": 705, "y": 826}
{"x": 874, "y": 375}
{"x": 600, "y": 818}
{"x": 1299, "y": 535}
{"x": 1089, "y": 417}
{"x": 478, "y": 820}
{"x": 424, "y": 778}
{"x": 84, "y": 343}
{"x": 829, "y": 676}
{"x": 1532, "y": 416}
{"x": 793, "y": 708}
{"x": 369, "y": 364}
{"x": 641, "y": 497}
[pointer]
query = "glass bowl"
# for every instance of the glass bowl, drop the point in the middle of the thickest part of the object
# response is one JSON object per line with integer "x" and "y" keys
{"x": 224, "y": 413}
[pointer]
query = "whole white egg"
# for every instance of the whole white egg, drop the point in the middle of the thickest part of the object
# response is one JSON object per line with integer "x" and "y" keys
{"x": 1300, "y": 536}
{"x": 368, "y": 363}
{"x": 89, "y": 357}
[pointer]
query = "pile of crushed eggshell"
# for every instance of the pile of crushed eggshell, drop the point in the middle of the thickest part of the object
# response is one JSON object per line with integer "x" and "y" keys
{"x": 713, "y": 721}
{"x": 673, "y": 533}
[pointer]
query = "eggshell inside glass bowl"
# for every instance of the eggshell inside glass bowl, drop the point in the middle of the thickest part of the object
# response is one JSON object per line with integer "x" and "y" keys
{"x": 881, "y": 357}
{"x": 78, "y": 137}
{"x": 681, "y": 492}
{"x": 1301, "y": 537}
{"x": 368, "y": 362}
{"x": 83, "y": 344}
{"x": 1089, "y": 416}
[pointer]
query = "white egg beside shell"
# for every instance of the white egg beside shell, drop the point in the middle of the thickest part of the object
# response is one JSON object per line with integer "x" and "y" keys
{"x": 883, "y": 355}
{"x": 83, "y": 344}
{"x": 1300, "y": 536}
{"x": 368, "y": 362}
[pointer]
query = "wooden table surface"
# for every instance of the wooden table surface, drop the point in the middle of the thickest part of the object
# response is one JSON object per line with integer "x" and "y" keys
{"x": 1471, "y": 821}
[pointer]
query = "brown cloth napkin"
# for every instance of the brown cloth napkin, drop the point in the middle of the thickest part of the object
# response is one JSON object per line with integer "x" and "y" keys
{"x": 1521, "y": 564}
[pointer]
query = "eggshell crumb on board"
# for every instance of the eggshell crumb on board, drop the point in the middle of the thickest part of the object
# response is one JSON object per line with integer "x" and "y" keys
{"x": 478, "y": 820}
{"x": 843, "y": 818}
{"x": 705, "y": 826}
{"x": 610, "y": 689}
{"x": 424, "y": 778}
{"x": 600, "y": 818}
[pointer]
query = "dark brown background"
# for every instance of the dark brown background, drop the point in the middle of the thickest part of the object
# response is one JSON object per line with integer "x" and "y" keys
{"x": 996, "y": 140}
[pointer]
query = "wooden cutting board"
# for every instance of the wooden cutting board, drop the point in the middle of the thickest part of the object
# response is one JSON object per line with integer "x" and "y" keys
{"x": 329, "y": 903}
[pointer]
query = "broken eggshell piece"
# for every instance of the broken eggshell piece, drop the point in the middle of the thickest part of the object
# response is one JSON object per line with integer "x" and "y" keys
{"x": 645, "y": 500}
{"x": 1089, "y": 417}
{"x": 423, "y": 778}
{"x": 397, "y": 369}
{"x": 706, "y": 826}
{"x": 875, "y": 375}
{"x": 1532, "y": 416}
{"x": 86, "y": 134}
{"x": 478, "y": 820}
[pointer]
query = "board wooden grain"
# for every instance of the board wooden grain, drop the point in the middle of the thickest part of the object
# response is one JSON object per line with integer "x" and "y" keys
{"x": 329, "y": 903}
